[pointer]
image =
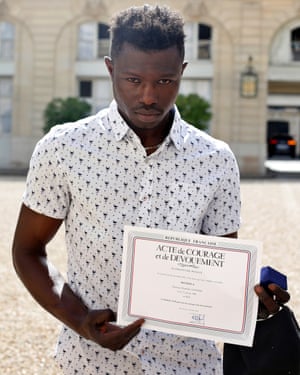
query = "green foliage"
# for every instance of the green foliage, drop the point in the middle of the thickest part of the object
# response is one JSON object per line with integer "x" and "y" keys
{"x": 59, "y": 111}
{"x": 194, "y": 109}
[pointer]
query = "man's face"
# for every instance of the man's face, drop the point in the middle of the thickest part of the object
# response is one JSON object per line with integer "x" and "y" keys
{"x": 145, "y": 84}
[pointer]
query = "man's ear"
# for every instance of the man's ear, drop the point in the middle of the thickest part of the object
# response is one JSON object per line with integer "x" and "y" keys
{"x": 184, "y": 65}
{"x": 109, "y": 64}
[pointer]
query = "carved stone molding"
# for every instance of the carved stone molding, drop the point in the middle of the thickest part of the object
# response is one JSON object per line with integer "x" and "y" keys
{"x": 95, "y": 7}
{"x": 194, "y": 9}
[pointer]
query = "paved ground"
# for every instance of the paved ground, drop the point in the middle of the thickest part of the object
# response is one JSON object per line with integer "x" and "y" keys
{"x": 271, "y": 213}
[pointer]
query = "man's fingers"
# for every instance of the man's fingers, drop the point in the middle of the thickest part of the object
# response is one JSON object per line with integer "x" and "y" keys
{"x": 125, "y": 331}
{"x": 267, "y": 300}
{"x": 272, "y": 298}
{"x": 136, "y": 324}
{"x": 107, "y": 315}
{"x": 115, "y": 338}
{"x": 281, "y": 295}
{"x": 98, "y": 318}
{"x": 133, "y": 329}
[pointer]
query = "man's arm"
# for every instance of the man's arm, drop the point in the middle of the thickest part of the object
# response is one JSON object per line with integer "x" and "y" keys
{"x": 48, "y": 287}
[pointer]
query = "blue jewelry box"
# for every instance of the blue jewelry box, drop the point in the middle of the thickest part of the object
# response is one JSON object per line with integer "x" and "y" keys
{"x": 269, "y": 275}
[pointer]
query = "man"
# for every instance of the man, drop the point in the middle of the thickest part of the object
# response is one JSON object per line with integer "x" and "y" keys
{"x": 135, "y": 163}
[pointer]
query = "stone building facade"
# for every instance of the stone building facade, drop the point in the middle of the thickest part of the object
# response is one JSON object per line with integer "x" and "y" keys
{"x": 55, "y": 48}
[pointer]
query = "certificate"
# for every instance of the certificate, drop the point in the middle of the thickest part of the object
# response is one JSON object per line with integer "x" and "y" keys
{"x": 189, "y": 284}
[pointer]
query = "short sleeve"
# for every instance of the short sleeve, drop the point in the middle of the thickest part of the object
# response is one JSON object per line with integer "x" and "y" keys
{"x": 223, "y": 213}
{"x": 46, "y": 185}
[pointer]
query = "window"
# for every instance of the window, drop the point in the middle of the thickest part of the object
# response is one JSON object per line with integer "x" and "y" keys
{"x": 295, "y": 44}
{"x": 5, "y": 105}
{"x": 285, "y": 48}
{"x": 103, "y": 40}
{"x": 204, "y": 42}
{"x": 85, "y": 42}
{"x": 96, "y": 91}
{"x": 93, "y": 41}
{"x": 198, "y": 41}
{"x": 85, "y": 89}
{"x": 7, "y": 36}
{"x": 7, "y": 40}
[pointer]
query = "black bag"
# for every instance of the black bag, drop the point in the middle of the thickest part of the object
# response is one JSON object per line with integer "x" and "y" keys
{"x": 275, "y": 350}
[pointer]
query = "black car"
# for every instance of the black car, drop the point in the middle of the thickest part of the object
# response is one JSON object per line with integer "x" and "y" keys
{"x": 282, "y": 144}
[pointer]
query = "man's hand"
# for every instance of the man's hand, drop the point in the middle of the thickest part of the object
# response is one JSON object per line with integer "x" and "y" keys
{"x": 97, "y": 327}
{"x": 48, "y": 287}
{"x": 270, "y": 299}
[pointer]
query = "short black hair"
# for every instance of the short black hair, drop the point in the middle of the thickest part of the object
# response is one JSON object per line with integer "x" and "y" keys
{"x": 148, "y": 28}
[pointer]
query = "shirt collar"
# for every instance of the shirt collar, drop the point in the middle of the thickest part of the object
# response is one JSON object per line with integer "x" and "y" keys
{"x": 118, "y": 124}
{"x": 120, "y": 128}
{"x": 179, "y": 130}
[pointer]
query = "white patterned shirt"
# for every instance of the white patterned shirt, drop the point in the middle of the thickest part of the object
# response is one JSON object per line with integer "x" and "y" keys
{"x": 96, "y": 176}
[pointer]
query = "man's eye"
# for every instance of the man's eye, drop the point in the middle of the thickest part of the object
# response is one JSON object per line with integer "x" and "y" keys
{"x": 164, "y": 81}
{"x": 133, "y": 80}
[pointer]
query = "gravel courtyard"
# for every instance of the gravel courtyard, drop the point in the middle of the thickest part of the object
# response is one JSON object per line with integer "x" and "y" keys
{"x": 270, "y": 212}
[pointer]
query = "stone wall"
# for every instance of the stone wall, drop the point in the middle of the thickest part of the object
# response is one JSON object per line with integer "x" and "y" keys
{"x": 46, "y": 53}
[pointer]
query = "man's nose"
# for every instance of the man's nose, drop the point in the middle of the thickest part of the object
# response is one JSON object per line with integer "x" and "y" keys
{"x": 149, "y": 94}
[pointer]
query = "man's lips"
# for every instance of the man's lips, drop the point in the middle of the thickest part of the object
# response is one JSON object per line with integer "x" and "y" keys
{"x": 148, "y": 116}
{"x": 147, "y": 113}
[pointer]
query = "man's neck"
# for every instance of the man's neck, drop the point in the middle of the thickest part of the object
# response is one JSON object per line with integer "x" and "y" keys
{"x": 154, "y": 136}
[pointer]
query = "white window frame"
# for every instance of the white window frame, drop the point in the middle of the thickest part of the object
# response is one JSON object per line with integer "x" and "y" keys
{"x": 281, "y": 49}
{"x": 7, "y": 41}
{"x": 193, "y": 44}
{"x": 89, "y": 45}
{"x": 6, "y": 104}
